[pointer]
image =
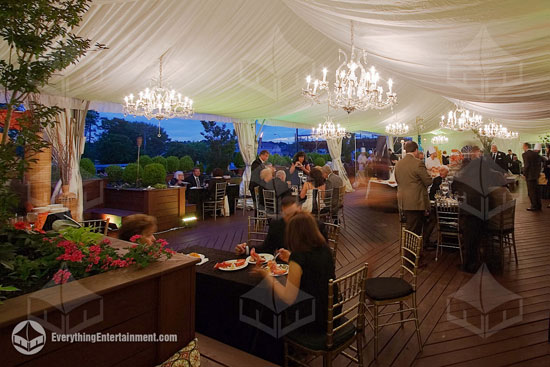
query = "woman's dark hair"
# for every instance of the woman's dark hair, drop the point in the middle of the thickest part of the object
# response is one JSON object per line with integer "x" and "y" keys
{"x": 298, "y": 155}
{"x": 317, "y": 177}
{"x": 217, "y": 172}
{"x": 136, "y": 224}
{"x": 302, "y": 233}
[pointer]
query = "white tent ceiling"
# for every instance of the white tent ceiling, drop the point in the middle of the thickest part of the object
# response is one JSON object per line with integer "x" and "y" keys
{"x": 247, "y": 59}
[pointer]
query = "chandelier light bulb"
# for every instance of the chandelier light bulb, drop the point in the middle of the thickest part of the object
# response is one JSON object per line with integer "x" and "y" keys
{"x": 440, "y": 139}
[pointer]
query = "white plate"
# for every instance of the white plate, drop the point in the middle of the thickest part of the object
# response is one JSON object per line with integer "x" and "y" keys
{"x": 201, "y": 256}
{"x": 267, "y": 257}
{"x": 233, "y": 266}
{"x": 280, "y": 266}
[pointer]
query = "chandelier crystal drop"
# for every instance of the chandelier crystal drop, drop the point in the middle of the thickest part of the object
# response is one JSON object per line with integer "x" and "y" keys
{"x": 354, "y": 87}
{"x": 440, "y": 139}
{"x": 397, "y": 129}
{"x": 158, "y": 102}
{"x": 461, "y": 119}
{"x": 495, "y": 130}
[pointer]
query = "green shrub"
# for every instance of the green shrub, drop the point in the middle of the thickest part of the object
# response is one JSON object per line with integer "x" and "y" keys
{"x": 160, "y": 186}
{"x": 114, "y": 173}
{"x": 160, "y": 160}
{"x": 319, "y": 161}
{"x": 186, "y": 163}
{"x": 238, "y": 160}
{"x": 145, "y": 160}
{"x": 172, "y": 163}
{"x": 129, "y": 175}
{"x": 88, "y": 167}
{"x": 153, "y": 174}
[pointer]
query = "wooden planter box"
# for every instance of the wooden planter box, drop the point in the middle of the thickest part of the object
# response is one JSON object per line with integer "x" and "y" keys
{"x": 158, "y": 299}
{"x": 167, "y": 205}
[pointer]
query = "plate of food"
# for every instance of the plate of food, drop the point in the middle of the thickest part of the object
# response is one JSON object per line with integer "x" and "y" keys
{"x": 261, "y": 258}
{"x": 276, "y": 269}
{"x": 231, "y": 265}
{"x": 198, "y": 256}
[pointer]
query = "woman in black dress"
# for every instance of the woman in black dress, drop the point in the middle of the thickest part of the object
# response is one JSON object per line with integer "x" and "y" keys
{"x": 310, "y": 268}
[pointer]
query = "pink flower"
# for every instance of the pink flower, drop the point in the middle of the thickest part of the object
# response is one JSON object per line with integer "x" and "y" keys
{"x": 62, "y": 276}
{"x": 135, "y": 238}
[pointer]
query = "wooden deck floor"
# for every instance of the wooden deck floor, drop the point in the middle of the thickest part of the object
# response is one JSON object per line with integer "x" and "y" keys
{"x": 372, "y": 236}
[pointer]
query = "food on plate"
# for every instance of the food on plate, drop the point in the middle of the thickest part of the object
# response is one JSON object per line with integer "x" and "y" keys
{"x": 277, "y": 269}
{"x": 194, "y": 254}
{"x": 230, "y": 265}
{"x": 257, "y": 258}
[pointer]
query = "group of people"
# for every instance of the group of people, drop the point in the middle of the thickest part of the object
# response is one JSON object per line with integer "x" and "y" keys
{"x": 196, "y": 179}
{"x": 264, "y": 176}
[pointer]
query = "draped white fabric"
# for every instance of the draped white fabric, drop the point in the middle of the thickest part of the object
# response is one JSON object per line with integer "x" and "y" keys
{"x": 247, "y": 59}
{"x": 246, "y": 134}
{"x": 335, "y": 150}
{"x": 57, "y": 136}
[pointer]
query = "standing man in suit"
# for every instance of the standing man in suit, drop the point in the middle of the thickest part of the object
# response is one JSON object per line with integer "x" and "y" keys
{"x": 257, "y": 166}
{"x": 412, "y": 188}
{"x": 531, "y": 171}
{"x": 499, "y": 157}
{"x": 196, "y": 179}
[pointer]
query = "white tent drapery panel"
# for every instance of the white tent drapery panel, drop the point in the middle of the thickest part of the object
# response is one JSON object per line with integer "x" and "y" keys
{"x": 246, "y": 134}
{"x": 250, "y": 59}
{"x": 335, "y": 150}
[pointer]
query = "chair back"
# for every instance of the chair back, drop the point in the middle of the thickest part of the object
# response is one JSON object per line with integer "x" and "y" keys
{"x": 270, "y": 202}
{"x": 257, "y": 230}
{"x": 348, "y": 294}
{"x": 448, "y": 215}
{"x": 333, "y": 232}
{"x": 220, "y": 191}
{"x": 411, "y": 245}
{"x": 505, "y": 218}
{"x": 97, "y": 225}
{"x": 323, "y": 201}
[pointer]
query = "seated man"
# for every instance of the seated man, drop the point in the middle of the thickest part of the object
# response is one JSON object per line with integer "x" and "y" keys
{"x": 265, "y": 183}
{"x": 196, "y": 179}
{"x": 333, "y": 182}
{"x": 436, "y": 183}
{"x": 275, "y": 239}
{"x": 281, "y": 186}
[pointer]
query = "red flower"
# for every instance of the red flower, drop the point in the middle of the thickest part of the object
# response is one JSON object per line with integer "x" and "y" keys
{"x": 62, "y": 276}
{"x": 20, "y": 225}
{"x": 135, "y": 238}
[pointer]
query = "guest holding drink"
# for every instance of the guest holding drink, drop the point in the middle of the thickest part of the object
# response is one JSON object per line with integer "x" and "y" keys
{"x": 299, "y": 164}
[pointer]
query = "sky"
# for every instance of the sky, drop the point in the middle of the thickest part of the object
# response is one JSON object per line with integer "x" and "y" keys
{"x": 190, "y": 130}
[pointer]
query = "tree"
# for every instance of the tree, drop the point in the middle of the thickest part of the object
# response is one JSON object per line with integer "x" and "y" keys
{"x": 116, "y": 148}
{"x": 194, "y": 149}
{"x": 221, "y": 144}
{"x": 40, "y": 42}
{"x": 91, "y": 126}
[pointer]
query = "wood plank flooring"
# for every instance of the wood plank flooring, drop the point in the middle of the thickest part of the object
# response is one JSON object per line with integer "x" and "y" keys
{"x": 372, "y": 236}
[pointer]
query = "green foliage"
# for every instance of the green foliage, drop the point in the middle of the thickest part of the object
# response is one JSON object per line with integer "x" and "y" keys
{"x": 172, "y": 164}
{"x": 545, "y": 138}
{"x": 39, "y": 43}
{"x": 160, "y": 186}
{"x": 153, "y": 174}
{"x": 319, "y": 161}
{"x": 144, "y": 160}
{"x": 91, "y": 125}
{"x": 160, "y": 160}
{"x": 87, "y": 165}
{"x": 238, "y": 160}
{"x": 6, "y": 289}
{"x": 221, "y": 143}
{"x": 114, "y": 173}
{"x": 81, "y": 235}
{"x": 129, "y": 175}
{"x": 116, "y": 148}
{"x": 278, "y": 160}
{"x": 195, "y": 149}
{"x": 186, "y": 163}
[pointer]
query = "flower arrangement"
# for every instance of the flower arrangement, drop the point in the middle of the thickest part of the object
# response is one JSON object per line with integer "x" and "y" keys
{"x": 30, "y": 260}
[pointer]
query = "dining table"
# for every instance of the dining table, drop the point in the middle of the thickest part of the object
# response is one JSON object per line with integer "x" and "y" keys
{"x": 198, "y": 195}
{"x": 224, "y": 308}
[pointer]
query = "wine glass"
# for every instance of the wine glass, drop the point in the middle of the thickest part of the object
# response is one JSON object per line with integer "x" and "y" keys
{"x": 32, "y": 218}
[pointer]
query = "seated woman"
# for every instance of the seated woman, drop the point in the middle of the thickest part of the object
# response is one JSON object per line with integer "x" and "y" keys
{"x": 138, "y": 224}
{"x": 310, "y": 268}
{"x": 217, "y": 177}
{"x": 177, "y": 180}
{"x": 311, "y": 189}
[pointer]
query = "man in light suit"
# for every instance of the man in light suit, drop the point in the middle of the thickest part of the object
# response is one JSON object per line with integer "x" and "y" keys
{"x": 412, "y": 188}
{"x": 532, "y": 163}
{"x": 499, "y": 157}
{"x": 333, "y": 182}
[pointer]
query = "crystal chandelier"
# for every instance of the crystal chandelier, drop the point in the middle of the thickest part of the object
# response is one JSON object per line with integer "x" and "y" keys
{"x": 352, "y": 92}
{"x": 328, "y": 130}
{"x": 496, "y": 130}
{"x": 397, "y": 129}
{"x": 440, "y": 139}
{"x": 159, "y": 103}
{"x": 461, "y": 119}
